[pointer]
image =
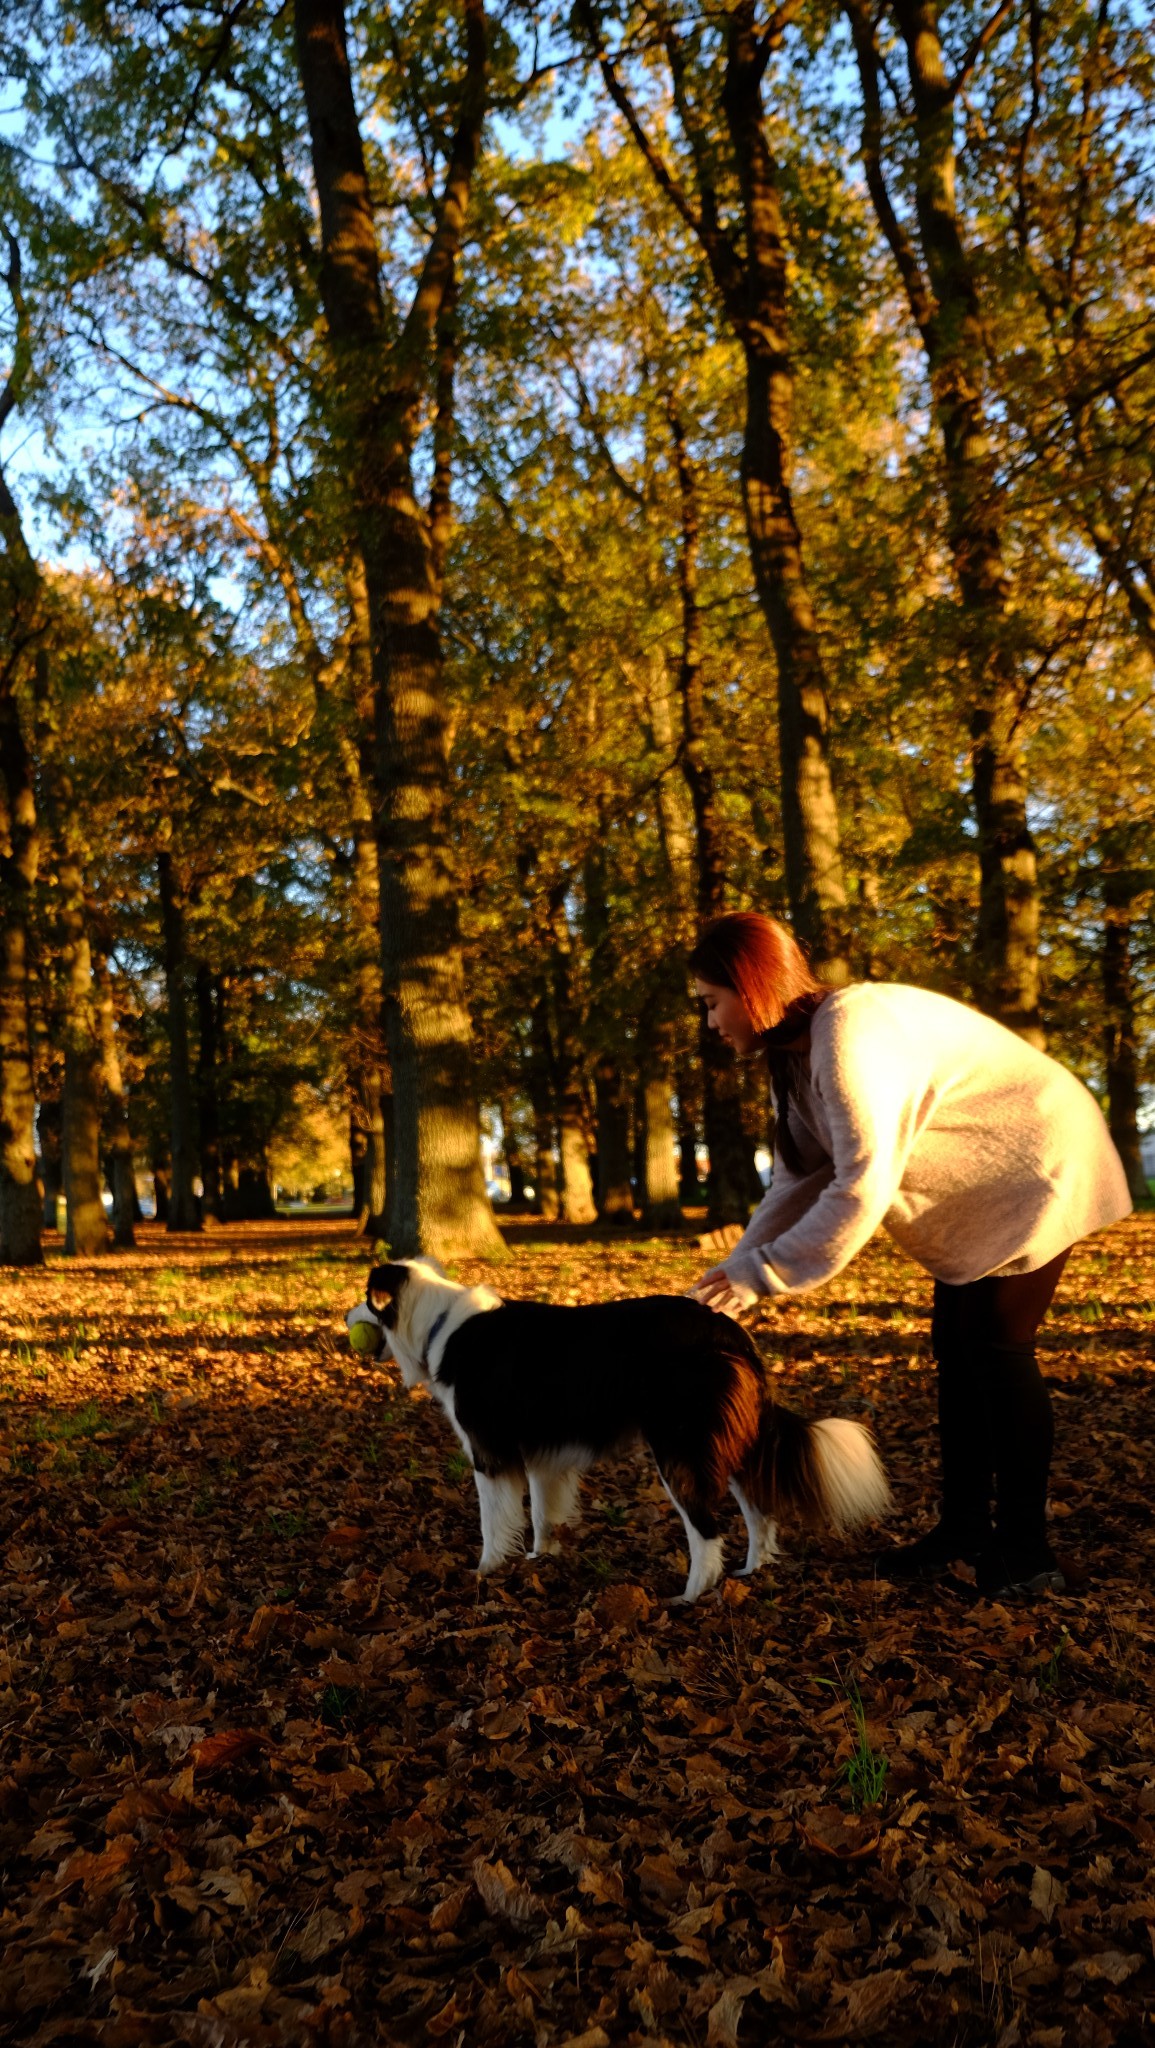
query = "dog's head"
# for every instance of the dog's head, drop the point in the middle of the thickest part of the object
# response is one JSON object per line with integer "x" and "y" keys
{"x": 410, "y": 1297}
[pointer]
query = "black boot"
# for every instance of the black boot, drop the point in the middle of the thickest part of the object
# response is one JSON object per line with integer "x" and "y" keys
{"x": 933, "y": 1555}
{"x": 964, "y": 1525}
{"x": 1006, "y": 1570}
{"x": 1018, "y": 1559}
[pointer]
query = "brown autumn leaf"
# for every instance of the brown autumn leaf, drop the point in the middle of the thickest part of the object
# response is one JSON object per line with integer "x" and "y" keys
{"x": 502, "y": 1895}
{"x": 867, "y": 2003}
{"x": 623, "y": 1606}
{"x": 220, "y": 1752}
{"x": 659, "y": 1768}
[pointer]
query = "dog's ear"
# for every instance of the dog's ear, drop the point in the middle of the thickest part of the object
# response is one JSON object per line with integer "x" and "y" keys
{"x": 385, "y": 1285}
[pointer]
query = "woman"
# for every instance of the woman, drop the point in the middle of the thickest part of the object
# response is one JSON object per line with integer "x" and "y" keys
{"x": 985, "y": 1160}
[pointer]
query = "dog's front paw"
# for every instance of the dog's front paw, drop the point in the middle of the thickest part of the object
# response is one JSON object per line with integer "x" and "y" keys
{"x": 548, "y": 1547}
{"x": 487, "y": 1564}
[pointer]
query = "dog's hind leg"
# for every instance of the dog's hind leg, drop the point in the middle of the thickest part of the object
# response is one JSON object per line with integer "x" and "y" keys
{"x": 761, "y": 1532}
{"x": 704, "y": 1542}
{"x": 502, "y": 1504}
{"x": 553, "y": 1501}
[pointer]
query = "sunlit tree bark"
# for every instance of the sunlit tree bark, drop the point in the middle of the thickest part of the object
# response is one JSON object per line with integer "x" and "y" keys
{"x": 382, "y": 374}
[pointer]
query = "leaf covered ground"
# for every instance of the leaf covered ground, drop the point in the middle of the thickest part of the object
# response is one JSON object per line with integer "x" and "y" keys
{"x": 274, "y": 1769}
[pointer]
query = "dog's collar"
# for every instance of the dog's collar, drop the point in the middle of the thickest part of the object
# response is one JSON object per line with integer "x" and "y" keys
{"x": 434, "y": 1334}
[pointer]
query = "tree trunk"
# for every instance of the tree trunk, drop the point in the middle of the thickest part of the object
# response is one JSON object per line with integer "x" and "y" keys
{"x": 249, "y": 1193}
{"x": 577, "y": 1191}
{"x": 1122, "y": 887}
{"x": 945, "y": 302}
{"x": 577, "y": 1187}
{"x": 540, "y": 1089}
{"x": 367, "y": 1066}
{"x": 182, "y": 1209}
{"x": 22, "y": 654}
{"x": 686, "y": 1124}
{"x": 20, "y": 1198}
{"x": 511, "y": 1149}
{"x": 49, "y": 1118}
{"x": 661, "y": 1200}
{"x": 751, "y": 277}
{"x": 117, "y": 1131}
{"x": 615, "y": 1199}
{"x": 438, "y": 1201}
{"x": 814, "y": 878}
{"x": 208, "y": 1092}
{"x": 726, "y": 1141}
{"x": 86, "y": 1229}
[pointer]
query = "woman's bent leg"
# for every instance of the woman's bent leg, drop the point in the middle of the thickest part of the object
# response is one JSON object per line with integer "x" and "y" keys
{"x": 1022, "y": 1434}
{"x": 996, "y": 1433}
{"x": 964, "y": 1526}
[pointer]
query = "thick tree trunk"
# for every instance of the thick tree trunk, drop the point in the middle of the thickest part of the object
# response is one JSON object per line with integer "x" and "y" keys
{"x": 944, "y": 295}
{"x": 86, "y": 1227}
{"x": 22, "y": 653}
{"x": 751, "y": 276}
{"x": 182, "y": 1209}
{"x": 815, "y": 883}
{"x": 49, "y": 1117}
{"x": 726, "y": 1141}
{"x": 1120, "y": 1035}
{"x": 661, "y": 1197}
{"x": 437, "y": 1199}
{"x": 814, "y": 878}
{"x": 540, "y": 1089}
{"x": 686, "y": 1124}
{"x": 511, "y": 1151}
{"x": 655, "y": 1144}
{"x": 118, "y": 1135}
{"x": 577, "y": 1188}
{"x": 208, "y": 1092}
{"x": 249, "y": 1193}
{"x": 615, "y": 1199}
{"x": 547, "y": 1199}
{"x": 367, "y": 1078}
{"x": 20, "y": 1197}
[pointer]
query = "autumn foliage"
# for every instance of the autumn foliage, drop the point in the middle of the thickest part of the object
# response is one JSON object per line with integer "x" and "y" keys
{"x": 276, "y": 1769}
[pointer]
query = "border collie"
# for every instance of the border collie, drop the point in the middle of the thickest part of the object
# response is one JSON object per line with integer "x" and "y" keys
{"x": 539, "y": 1394}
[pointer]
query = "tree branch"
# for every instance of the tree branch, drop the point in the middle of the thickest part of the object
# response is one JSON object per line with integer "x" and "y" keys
{"x": 979, "y": 45}
{"x": 910, "y": 270}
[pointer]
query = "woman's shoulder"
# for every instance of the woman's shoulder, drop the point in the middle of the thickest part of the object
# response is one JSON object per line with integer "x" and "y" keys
{"x": 894, "y": 1020}
{"x": 918, "y": 1025}
{"x": 864, "y": 1002}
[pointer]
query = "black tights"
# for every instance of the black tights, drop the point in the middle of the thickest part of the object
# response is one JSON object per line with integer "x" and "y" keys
{"x": 994, "y": 1412}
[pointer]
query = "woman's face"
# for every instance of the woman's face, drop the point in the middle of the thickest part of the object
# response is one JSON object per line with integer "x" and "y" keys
{"x": 727, "y": 1014}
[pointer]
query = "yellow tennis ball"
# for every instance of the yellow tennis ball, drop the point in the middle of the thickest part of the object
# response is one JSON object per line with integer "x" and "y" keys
{"x": 364, "y": 1337}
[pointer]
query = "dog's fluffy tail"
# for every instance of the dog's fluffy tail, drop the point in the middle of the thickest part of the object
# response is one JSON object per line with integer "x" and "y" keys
{"x": 824, "y": 1474}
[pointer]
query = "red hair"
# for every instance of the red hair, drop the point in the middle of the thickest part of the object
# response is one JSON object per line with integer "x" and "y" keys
{"x": 760, "y": 960}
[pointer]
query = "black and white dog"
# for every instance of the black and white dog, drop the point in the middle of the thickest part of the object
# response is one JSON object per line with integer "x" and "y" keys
{"x": 540, "y": 1393}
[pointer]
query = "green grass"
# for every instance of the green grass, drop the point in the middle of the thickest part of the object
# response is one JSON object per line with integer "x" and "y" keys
{"x": 64, "y": 1427}
{"x": 1050, "y": 1670}
{"x": 339, "y": 1707}
{"x": 865, "y": 1769}
{"x": 285, "y": 1526}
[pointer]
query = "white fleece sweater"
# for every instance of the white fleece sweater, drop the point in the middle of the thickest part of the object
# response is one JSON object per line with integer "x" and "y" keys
{"x": 978, "y": 1154}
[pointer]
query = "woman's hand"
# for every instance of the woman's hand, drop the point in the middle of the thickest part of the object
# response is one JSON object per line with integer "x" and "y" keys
{"x": 717, "y": 1290}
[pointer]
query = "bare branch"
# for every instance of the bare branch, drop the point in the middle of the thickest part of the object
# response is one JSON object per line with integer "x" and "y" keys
{"x": 910, "y": 270}
{"x": 980, "y": 44}
{"x": 662, "y": 174}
